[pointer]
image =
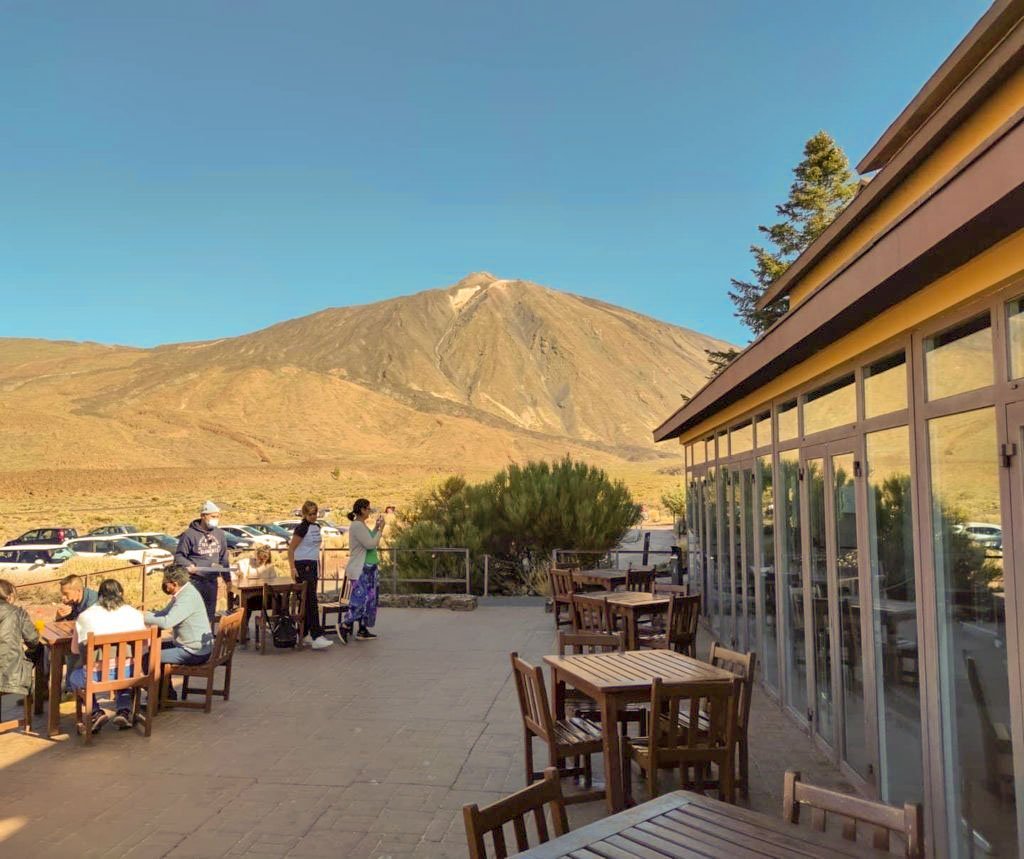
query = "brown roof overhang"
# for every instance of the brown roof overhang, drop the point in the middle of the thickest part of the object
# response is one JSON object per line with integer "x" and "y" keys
{"x": 977, "y": 205}
{"x": 999, "y": 38}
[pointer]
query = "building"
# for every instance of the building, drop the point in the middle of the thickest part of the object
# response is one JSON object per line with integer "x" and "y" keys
{"x": 856, "y": 475}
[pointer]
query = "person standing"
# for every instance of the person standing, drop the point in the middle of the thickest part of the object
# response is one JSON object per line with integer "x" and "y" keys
{"x": 304, "y": 560}
{"x": 203, "y": 552}
{"x": 362, "y": 568}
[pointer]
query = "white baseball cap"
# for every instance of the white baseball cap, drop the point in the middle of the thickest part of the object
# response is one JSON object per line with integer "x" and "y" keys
{"x": 209, "y": 507}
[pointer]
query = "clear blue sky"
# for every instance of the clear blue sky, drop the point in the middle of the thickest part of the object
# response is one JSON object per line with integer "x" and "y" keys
{"x": 196, "y": 169}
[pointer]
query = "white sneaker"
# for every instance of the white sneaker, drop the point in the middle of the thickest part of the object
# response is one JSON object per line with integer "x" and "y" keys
{"x": 321, "y": 643}
{"x": 308, "y": 640}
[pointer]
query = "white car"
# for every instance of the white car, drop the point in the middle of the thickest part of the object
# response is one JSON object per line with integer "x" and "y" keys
{"x": 28, "y": 559}
{"x": 122, "y": 549}
{"x": 154, "y": 540}
{"x": 326, "y": 528}
{"x": 271, "y": 541}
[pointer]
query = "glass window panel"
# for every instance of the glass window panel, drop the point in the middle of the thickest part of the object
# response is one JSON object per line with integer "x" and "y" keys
{"x": 831, "y": 405}
{"x": 720, "y": 621}
{"x": 885, "y": 386}
{"x": 1015, "y": 336}
{"x": 974, "y": 692}
{"x": 750, "y": 542}
{"x": 791, "y": 578}
{"x": 697, "y": 452}
{"x": 711, "y": 507}
{"x": 894, "y": 615}
{"x": 742, "y": 438}
{"x": 722, "y": 440}
{"x": 959, "y": 359}
{"x": 769, "y": 626}
{"x": 763, "y": 427}
{"x": 787, "y": 421}
{"x": 814, "y": 474}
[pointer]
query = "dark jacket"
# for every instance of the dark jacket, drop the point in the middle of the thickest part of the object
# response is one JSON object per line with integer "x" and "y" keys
{"x": 89, "y": 597}
{"x": 16, "y": 631}
{"x": 204, "y": 549}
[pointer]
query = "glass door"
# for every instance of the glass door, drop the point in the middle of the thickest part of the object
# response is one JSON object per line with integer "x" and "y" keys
{"x": 739, "y": 612}
{"x": 817, "y": 593}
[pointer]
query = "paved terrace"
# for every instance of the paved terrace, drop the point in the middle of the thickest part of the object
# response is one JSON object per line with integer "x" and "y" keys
{"x": 368, "y": 750}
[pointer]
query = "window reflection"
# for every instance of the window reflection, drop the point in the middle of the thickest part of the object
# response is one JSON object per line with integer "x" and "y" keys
{"x": 787, "y": 421}
{"x": 885, "y": 386}
{"x": 791, "y": 578}
{"x": 763, "y": 428}
{"x": 831, "y": 405}
{"x": 711, "y": 507}
{"x": 769, "y": 627}
{"x": 1015, "y": 336}
{"x": 742, "y": 438}
{"x": 814, "y": 474}
{"x": 959, "y": 359}
{"x": 894, "y": 616}
{"x": 974, "y": 681}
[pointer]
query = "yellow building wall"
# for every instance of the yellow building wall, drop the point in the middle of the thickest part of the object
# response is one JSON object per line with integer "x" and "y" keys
{"x": 990, "y": 270}
{"x": 984, "y": 122}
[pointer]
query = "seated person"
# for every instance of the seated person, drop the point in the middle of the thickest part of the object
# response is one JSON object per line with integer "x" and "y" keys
{"x": 75, "y": 598}
{"x": 185, "y": 615}
{"x": 109, "y": 616}
{"x": 18, "y": 639}
{"x": 259, "y": 567}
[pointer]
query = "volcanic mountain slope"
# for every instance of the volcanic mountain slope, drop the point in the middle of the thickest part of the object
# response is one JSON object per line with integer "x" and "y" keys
{"x": 480, "y": 372}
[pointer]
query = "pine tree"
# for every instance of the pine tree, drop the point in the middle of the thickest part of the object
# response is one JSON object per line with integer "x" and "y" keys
{"x": 823, "y": 186}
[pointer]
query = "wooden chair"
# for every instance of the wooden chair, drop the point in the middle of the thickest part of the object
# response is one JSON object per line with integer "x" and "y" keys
{"x": 640, "y": 580}
{"x": 996, "y": 742}
{"x": 884, "y": 820}
{"x": 514, "y": 809}
{"x": 675, "y": 743}
{"x": 25, "y": 722}
{"x": 228, "y": 632}
{"x": 680, "y": 633}
{"x": 589, "y": 614}
{"x": 336, "y": 606}
{"x": 289, "y": 599}
{"x": 124, "y": 653}
{"x": 562, "y": 590}
{"x": 743, "y": 665}
{"x": 565, "y": 738}
{"x": 582, "y": 706}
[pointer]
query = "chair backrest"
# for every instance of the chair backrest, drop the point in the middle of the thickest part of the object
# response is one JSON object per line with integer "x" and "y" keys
{"x": 287, "y": 599}
{"x": 589, "y": 614}
{"x": 683, "y": 618}
{"x": 533, "y": 698}
{"x": 884, "y": 820}
{"x": 514, "y": 809}
{"x": 743, "y": 666}
{"x": 346, "y": 589}
{"x": 591, "y": 642}
{"x": 671, "y": 590}
{"x": 696, "y": 740}
{"x": 640, "y": 580}
{"x": 228, "y": 631}
{"x": 561, "y": 583}
{"x": 978, "y": 693}
{"x": 123, "y": 654}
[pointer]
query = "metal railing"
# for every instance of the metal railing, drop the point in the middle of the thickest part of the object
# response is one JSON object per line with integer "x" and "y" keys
{"x": 142, "y": 570}
{"x": 612, "y": 558}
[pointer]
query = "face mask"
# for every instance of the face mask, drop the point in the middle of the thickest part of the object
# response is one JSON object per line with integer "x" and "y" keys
{"x": 212, "y": 523}
{"x": 167, "y": 589}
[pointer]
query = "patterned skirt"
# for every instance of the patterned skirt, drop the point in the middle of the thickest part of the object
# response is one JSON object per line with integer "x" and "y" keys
{"x": 362, "y": 605}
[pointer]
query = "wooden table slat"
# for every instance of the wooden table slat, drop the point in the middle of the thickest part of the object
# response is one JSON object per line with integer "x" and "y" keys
{"x": 652, "y": 849}
{"x": 719, "y": 844}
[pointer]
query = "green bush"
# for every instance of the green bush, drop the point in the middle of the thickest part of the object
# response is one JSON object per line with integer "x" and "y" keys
{"x": 521, "y": 515}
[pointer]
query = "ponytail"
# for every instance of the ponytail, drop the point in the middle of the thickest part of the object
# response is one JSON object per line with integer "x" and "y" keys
{"x": 357, "y": 508}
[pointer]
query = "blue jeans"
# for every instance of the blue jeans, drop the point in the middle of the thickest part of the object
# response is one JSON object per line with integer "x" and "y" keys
{"x": 172, "y": 654}
{"x": 124, "y": 696}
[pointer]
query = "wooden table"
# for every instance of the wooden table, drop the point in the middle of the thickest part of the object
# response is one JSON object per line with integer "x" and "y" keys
{"x": 616, "y": 679}
{"x": 56, "y": 637}
{"x": 254, "y": 587}
{"x": 631, "y": 605}
{"x": 605, "y": 580}
{"x": 683, "y": 824}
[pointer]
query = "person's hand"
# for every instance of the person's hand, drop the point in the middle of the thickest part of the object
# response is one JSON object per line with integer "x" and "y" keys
{"x": 192, "y": 568}
{"x": 295, "y": 574}
{"x": 63, "y": 611}
{"x": 380, "y": 522}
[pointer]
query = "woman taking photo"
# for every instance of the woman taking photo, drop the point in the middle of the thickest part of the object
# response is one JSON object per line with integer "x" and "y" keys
{"x": 304, "y": 560}
{"x": 363, "y": 560}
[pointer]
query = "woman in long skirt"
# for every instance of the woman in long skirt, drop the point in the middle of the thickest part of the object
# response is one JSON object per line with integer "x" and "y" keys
{"x": 362, "y": 568}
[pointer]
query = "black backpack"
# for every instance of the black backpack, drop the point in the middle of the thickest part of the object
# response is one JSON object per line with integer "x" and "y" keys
{"x": 283, "y": 631}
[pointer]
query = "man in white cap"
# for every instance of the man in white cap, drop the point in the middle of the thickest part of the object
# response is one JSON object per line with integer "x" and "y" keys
{"x": 203, "y": 553}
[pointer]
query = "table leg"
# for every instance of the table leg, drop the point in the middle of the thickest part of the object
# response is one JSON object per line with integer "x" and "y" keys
{"x": 558, "y": 692}
{"x": 40, "y": 678}
{"x": 612, "y": 753}
{"x": 57, "y": 658}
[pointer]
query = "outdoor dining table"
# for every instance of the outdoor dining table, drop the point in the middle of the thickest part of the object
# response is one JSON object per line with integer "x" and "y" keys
{"x": 55, "y": 636}
{"x": 602, "y": 580}
{"x": 631, "y": 605}
{"x": 614, "y": 680}
{"x": 249, "y": 587}
{"x": 683, "y": 824}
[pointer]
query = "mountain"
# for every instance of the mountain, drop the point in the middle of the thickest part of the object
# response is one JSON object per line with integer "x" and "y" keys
{"x": 479, "y": 372}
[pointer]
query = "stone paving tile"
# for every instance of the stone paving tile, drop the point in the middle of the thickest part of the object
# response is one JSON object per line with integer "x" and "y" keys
{"x": 369, "y": 750}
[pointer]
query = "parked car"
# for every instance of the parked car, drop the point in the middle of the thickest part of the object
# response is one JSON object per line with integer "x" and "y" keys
{"x": 272, "y": 541}
{"x": 327, "y": 529}
{"x": 983, "y": 534}
{"x": 238, "y": 544}
{"x": 27, "y": 559}
{"x": 52, "y": 536}
{"x": 155, "y": 540}
{"x": 112, "y": 530}
{"x": 272, "y": 529}
{"x": 122, "y": 549}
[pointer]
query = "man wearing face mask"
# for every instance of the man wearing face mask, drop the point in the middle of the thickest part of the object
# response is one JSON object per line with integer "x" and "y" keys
{"x": 185, "y": 615}
{"x": 203, "y": 552}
